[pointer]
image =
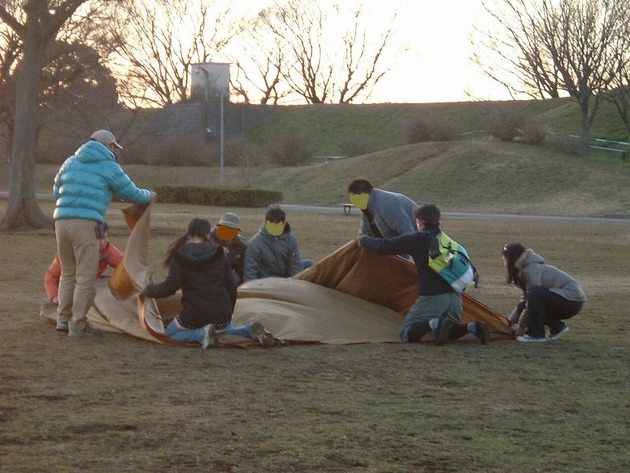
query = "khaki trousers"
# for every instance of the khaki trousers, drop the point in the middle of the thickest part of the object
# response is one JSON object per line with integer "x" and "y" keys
{"x": 78, "y": 250}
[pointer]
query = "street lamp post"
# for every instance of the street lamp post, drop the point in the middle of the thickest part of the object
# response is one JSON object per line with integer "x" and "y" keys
{"x": 221, "y": 173}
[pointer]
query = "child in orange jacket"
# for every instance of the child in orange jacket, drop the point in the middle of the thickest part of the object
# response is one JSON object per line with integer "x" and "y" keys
{"x": 109, "y": 256}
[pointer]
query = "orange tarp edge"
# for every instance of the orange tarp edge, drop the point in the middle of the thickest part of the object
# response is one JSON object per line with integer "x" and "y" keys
{"x": 351, "y": 296}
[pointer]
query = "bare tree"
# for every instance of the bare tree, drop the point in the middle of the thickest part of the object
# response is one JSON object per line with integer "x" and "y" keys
{"x": 619, "y": 95}
{"x": 512, "y": 55}
{"x": 263, "y": 74}
{"x": 74, "y": 76}
{"x": 317, "y": 59}
{"x": 42, "y": 21}
{"x": 161, "y": 39}
{"x": 552, "y": 46}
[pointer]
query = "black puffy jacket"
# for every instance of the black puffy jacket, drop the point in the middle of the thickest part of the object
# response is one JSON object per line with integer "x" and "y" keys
{"x": 202, "y": 272}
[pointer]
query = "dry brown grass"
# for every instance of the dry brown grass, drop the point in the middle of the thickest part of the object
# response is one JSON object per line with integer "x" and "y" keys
{"x": 115, "y": 403}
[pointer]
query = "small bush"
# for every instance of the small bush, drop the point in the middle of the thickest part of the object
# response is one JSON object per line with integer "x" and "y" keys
{"x": 420, "y": 131}
{"x": 444, "y": 132}
{"x": 535, "y": 133}
{"x": 290, "y": 150}
{"x": 565, "y": 144}
{"x": 353, "y": 146}
{"x": 504, "y": 124}
{"x": 220, "y": 197}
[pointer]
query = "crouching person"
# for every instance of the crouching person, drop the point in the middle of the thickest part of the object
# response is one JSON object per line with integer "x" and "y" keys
{"x": 200, "y": 269}
{"x": 438, "y": 307}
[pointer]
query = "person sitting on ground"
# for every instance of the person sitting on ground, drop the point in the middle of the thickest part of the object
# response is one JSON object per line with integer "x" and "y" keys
{"x": 548, "y": 295}
{"x": 226, "y": 234}
{"x": 273, "y": 251}
{"x": 109, "y": 255}
{"x": 438, "y": 307}
{"x": 384, "y": 214}
{"x": 200, "y": 269}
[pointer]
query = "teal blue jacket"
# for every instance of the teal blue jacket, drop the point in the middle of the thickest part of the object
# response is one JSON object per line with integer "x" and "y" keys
{"x": 87, "y": 182}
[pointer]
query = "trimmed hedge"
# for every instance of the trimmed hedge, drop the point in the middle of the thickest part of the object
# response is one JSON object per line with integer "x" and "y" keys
{"x": 220, "y": 197}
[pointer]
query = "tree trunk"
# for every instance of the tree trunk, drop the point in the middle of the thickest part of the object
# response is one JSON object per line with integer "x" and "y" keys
{"x": 23, "y": 212}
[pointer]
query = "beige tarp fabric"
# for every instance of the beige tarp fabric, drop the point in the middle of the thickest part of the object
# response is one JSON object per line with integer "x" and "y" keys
{"x": 351, "y": 296}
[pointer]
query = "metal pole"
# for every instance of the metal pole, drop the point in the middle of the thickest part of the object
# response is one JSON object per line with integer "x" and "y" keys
{"x": 222, "y": 171}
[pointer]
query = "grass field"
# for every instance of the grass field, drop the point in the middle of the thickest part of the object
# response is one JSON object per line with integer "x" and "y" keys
{"x": 118, "y": 404}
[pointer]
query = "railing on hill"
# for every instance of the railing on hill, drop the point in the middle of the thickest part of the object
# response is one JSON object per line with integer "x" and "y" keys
{"x": 611, "y": 146}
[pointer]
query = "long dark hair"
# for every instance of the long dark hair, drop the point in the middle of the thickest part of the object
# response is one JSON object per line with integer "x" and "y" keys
{"x": 512, "y": 252}
{"x": 198, "y": 227}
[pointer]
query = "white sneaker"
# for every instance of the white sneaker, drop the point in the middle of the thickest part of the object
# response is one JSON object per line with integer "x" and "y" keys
{"x": 529, "y": 339}
{"x": 208, "y": 340}
{"x": 556, "y": 336}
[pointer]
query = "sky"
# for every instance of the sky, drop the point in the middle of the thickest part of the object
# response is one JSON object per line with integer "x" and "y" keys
{"x": 437, "y": 66}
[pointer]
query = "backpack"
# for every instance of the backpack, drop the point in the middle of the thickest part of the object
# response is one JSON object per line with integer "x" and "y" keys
{"x": 450, "y": 260}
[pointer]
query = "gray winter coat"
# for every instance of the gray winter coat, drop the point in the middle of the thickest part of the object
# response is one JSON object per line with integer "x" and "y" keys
{"x": 393, "y": 214}
{"x": 270, "y": 256}
{"x": 533, "y": 271}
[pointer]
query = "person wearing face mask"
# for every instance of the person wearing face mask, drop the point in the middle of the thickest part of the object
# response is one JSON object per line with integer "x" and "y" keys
{"x": 273, "y": 251}
{"x": 227, "y": 235}
{"x": 384, "y": 214}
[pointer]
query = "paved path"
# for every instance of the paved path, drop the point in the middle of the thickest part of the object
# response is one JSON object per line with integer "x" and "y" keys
{"x": 481, "y": 216}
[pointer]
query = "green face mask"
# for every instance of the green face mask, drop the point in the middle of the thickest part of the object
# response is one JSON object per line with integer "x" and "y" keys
{"x": 360, "y": 201}
{"x": 274, "y": 229}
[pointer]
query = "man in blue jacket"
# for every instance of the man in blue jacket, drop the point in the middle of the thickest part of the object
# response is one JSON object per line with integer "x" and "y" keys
{"x": 83, "y": 189}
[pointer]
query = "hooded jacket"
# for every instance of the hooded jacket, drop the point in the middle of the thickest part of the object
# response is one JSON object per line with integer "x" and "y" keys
{"x": 533, "y": 271}
{"x": 392, "y": 214}
{"x": 272, "y": 256}
{"x": 202, "y": 272}
{"x": 87, "y": 181}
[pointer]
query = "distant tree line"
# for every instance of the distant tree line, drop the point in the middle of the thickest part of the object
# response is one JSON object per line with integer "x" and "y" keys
{"x": 547, "y": 48}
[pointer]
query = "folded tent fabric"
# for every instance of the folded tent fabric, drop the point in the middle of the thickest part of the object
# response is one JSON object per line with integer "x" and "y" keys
{"x": 351, "y": 296}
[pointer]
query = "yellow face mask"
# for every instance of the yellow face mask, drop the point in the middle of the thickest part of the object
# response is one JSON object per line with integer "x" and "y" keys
{"x": 360, "y": 201}
{"x": 274, "y": 229}
{"x": 226, "y": 233}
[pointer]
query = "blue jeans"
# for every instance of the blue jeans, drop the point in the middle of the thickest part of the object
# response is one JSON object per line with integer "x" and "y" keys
{"x": 426, "y": 308}
{"x": 182, "y": 334}
{"x": 548, "y": 308}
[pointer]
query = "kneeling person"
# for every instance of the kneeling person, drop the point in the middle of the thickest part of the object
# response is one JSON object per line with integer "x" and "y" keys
{"x": 439, "y": 306}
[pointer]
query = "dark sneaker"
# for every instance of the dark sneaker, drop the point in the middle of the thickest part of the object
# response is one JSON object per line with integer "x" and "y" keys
{"x": 88, "y": 331}
{"x": 482, "y": 333}
{"x": 264, "y": 337}
{"x": 529, "y": 339}
{"x": 209, "y": 337}
{"x": 62, "y": 327}
{"x": 562, "y": 332}
{"x": 440, "y": 335}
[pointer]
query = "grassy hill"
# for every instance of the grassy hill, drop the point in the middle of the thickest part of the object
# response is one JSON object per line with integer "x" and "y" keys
{"x": 472, "y": 174}
{"x": 383, "y": 126}
{"x": 462, "y": 176}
